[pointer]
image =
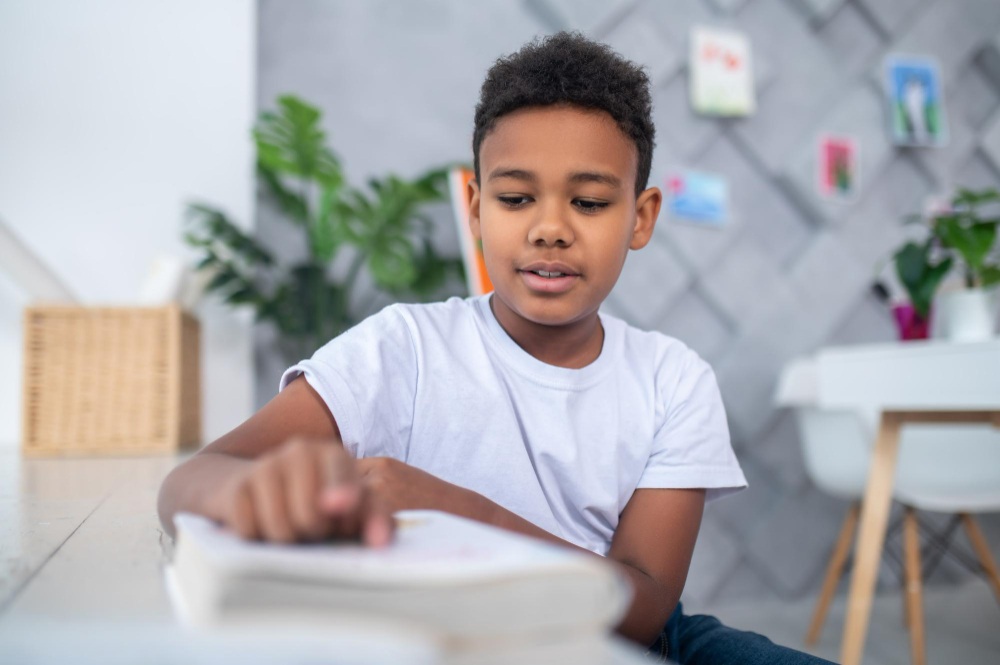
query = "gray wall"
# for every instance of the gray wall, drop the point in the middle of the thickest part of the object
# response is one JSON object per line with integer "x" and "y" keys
{"x": 398, "y": 82}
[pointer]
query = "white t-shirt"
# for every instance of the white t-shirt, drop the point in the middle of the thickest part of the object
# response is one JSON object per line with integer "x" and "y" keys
{"x": 444, "y": 388}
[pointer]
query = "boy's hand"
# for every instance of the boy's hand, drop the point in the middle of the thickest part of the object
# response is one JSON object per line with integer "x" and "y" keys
{"x": 304, "y": 490}
{"x": 399, "y": 486}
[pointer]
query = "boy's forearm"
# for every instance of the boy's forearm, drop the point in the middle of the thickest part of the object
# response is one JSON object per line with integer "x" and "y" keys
{"x": 191, "y": 486}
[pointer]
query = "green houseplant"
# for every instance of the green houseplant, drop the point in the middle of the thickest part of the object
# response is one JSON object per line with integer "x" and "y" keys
{"x": 959, "y": 237}
{"x": 968, "y": 232}
{"x": 920, "y": 274}
{"x": 381, "y": 229}
{"x": 970, "y": 235}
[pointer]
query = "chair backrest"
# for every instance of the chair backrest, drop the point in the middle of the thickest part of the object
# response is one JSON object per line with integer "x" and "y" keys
{"x": 835, "y": 444}
{"x": 949, "y": 468}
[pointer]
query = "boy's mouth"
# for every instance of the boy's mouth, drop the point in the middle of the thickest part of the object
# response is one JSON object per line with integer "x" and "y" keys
{"x": 548, "y": 278}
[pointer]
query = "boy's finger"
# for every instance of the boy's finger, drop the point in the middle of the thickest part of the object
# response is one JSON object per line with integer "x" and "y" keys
{"x": 341, "y": 496}
{"x": 378, "y": 530}
{"x": 241, "y": 513}
{"x": 302, "y": 486}
{"x": 270, "y": 505}
{"x": 377, "y": 525}
{"x": 341, "y": 500}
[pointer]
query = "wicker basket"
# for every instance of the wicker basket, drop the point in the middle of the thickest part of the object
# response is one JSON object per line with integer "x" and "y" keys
{"x": 110, "y": 380}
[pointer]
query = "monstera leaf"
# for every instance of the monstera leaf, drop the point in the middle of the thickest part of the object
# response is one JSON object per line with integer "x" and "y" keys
{"x": 381, "y": 227}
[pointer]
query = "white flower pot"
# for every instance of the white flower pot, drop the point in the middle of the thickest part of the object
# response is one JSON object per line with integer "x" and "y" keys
{"x": 969, "y": 315}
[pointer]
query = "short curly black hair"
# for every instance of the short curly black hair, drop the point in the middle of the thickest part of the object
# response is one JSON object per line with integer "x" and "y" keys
{"x": 567, "y": 68}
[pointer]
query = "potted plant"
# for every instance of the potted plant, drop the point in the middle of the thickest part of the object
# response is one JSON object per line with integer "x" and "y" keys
{"x": 960, "y": 236}
{"x": 969, "y": 235}
{"x": 380, "y": 229}
{"x": 920, "y": 273}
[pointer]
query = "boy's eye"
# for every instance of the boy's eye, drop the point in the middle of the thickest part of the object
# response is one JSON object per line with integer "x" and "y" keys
{"x": 513, "y": 200}
{"x": 589, "y": 205}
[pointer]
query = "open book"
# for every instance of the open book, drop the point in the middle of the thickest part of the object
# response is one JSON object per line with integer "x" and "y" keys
{"x": 467, "y": 582}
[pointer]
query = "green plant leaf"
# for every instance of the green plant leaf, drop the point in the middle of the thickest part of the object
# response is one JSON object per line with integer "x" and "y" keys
{"x": 291, "y": 203}
{"x": 925, "y": 290}
{"x": 292, "y": 142}
{"x": 207, "y": 261}
{"x": 966, "y": 197}
{"x": 246, "y": 294}
{"x": 918, "y": 275}
{"x": 990, "y": 275}
{"x": 911, "y": 263}
{"x": 322, "y": 235}
{"x": 392, "y": 263}
{"x": 972, "y": 240}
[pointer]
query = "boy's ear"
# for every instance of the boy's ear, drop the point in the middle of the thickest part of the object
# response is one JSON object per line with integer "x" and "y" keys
{"x": 472, "y": 197}
{"x": 647, "y": 209}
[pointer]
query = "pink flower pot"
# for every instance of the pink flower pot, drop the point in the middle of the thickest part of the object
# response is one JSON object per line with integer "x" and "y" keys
{"x": 910, "y": 324}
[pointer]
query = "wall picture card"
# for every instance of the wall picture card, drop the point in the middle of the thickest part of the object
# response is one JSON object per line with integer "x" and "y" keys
{"x": 476, "y": 277}
{"x": 838, "y": 168}
{"x": 698, "y": 198}
{"x": 916, "y": 104}
{"x": 721, "y": 73}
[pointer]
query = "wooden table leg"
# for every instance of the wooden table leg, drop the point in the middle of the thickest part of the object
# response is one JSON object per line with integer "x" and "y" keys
{"x": 871, "y": 538}
{"x": 913, "y": 592}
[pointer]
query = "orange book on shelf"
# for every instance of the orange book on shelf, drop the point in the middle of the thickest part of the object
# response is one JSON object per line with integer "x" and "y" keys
{"x": 476, "y": 277}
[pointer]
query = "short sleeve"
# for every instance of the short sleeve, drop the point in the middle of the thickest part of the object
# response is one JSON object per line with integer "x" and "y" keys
{"x": 691, "y": 447}
{"x": 367, "y": 377}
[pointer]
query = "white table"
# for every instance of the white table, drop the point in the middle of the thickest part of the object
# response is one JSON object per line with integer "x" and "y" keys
{"x": 81, "y": 560}
{"x": 914, "y": 382}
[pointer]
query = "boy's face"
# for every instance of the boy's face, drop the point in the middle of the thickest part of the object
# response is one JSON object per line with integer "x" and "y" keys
{"x": 556, "y": 212}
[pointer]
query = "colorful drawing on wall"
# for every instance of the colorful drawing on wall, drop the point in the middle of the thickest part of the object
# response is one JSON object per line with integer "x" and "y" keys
{"x": 476, "y": 277}
{"x": 838, "y": 172}
{"x": 698, "y": 198}
{"x": 721, "y": 76}
{"x": 916, "y": 105}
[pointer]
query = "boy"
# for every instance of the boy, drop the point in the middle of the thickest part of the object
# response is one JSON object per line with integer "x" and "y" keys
{"x": 524, "y": 408}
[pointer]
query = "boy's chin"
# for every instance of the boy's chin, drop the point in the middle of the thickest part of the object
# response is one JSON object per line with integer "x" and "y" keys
{"x": 552, "y": 313}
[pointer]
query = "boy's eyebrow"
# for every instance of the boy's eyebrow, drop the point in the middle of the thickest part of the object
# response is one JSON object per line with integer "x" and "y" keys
{"x": 601, "y": 178}
{"x": 579, "y": 176}
{"x": 517, "y": 174}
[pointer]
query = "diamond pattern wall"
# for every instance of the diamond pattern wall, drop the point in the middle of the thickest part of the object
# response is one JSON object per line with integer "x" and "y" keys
{"x": 398, "y": 81}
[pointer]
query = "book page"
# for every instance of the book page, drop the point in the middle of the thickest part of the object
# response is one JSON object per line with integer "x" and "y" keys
{"x": 429, "y": 548}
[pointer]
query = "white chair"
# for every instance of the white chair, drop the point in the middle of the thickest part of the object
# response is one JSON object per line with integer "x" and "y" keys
{"x": 961, "y": 478}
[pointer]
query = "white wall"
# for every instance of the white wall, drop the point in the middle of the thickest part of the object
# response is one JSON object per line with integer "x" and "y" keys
{"x": 113, "y": 114}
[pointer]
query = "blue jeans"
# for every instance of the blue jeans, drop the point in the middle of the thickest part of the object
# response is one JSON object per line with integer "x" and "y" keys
{"x": 703, "y": 640}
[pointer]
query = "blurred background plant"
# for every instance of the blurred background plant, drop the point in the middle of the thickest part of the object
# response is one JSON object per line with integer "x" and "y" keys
{"x": 960, "y": 235}
{"x": 969, "y": 234}
{"x": 921, "y": 273}
{"x": 381, "y": 229}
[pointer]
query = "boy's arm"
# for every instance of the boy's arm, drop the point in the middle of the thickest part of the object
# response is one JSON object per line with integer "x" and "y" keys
{"x": 652, "y": 545}
{"x": 297, "y": 412}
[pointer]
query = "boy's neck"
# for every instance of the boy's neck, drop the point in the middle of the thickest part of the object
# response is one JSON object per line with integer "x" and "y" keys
{"x": 572, "y": 346}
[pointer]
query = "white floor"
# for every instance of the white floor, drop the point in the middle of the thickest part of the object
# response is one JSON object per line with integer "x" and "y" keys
{"x": 962, "y": 624}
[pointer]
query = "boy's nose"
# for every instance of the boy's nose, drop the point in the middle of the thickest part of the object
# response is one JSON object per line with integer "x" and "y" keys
{"x": 551, "y": 229}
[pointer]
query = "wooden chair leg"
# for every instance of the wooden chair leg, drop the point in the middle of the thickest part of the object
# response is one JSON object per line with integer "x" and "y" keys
{"x": 834, "y": 571}
{"x": 914, "y": 600}
{"x": 905, "y": 595}
{"x": 983, "y": 552}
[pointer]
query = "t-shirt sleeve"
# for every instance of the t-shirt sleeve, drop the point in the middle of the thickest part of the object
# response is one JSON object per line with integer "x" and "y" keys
{"x": 691, "y": 447}
{"x": 367, "y": 377}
